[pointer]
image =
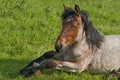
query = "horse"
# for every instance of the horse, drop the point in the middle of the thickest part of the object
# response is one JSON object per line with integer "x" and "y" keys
{"x": 79, "y": 47}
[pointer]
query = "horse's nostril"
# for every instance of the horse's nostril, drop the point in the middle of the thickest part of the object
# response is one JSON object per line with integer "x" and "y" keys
{"x": 58, "y": 47}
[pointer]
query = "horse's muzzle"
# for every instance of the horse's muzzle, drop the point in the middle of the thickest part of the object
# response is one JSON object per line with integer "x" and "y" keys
{"x": 58, "y": 48}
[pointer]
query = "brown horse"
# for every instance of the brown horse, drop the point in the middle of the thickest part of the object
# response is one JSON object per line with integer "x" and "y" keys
{"x": 79, "y": 47}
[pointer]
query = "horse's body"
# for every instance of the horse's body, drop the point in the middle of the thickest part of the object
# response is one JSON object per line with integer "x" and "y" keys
{"x": 107, "y": 58}
{"x": 79, "y": 47}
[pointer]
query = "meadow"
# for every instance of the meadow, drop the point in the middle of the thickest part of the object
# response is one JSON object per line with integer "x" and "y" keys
{"x": 28, "y": 28}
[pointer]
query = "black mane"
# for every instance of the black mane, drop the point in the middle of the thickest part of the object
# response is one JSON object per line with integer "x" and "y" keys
{"x": 67, "y": 13}
{"x": 93, "y": 37}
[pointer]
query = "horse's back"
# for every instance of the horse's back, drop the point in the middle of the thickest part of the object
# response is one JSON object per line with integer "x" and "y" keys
{"x": 112, "y": 51}
{"x": 113, "y": 39}
{"x": 112, "y": 43}
{"x": 108, "y": 57}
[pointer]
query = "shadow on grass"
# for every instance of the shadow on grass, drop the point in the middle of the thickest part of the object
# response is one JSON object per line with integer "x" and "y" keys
{"x": 9, "y": 68}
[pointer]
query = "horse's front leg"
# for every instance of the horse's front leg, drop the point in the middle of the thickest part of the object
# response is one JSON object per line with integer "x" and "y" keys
{"x": 61, "y": 65}
{"x": 55, "y": 64}
{"x": 26, "y": 70}
{"x": 58, "y": 64}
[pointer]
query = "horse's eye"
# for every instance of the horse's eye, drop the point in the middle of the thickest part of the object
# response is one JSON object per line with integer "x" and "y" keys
{"x": 73, "y": 26}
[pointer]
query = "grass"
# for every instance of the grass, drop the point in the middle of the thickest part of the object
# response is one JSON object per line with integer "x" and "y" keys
{"x": 28, "y": 28}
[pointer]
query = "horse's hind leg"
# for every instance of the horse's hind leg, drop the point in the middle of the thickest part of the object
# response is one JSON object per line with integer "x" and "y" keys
{"x": 25, "y": 71}
{"x": 115, "y": 72}
{"x": 119, "y": 74}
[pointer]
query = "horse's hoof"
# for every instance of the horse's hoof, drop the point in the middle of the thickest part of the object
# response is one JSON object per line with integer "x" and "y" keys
{"x": 37, "y": 73}
{"x": 26, "y": 73}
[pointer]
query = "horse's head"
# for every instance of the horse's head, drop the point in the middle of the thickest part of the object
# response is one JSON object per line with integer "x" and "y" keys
{"x": 71, "y": 24}
{"x": 75, "y": 24}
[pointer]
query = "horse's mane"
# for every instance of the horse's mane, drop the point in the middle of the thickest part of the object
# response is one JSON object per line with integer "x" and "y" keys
{"x": 93, "y": 37}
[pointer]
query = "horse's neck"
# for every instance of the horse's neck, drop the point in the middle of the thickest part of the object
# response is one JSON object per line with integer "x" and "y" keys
{"x": 81, "y": 48}
{"x": 81, "y": 34}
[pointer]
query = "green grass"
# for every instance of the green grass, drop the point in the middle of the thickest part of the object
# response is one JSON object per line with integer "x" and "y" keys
{"x": 28, "y": 28}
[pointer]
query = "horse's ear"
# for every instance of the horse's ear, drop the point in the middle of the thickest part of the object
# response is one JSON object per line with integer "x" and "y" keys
{"x": 65, "y": 8}
{"x": 77, "y": 9}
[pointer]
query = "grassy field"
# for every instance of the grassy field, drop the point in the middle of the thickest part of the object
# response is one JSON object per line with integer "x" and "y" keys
{"x": 28, "y": 28}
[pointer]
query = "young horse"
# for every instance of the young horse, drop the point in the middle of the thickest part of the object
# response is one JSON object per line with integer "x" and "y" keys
{"x": 79, "y": 47}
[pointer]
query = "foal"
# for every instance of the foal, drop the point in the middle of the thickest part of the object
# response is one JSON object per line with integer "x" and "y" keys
{"x": 79, "y": 47}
